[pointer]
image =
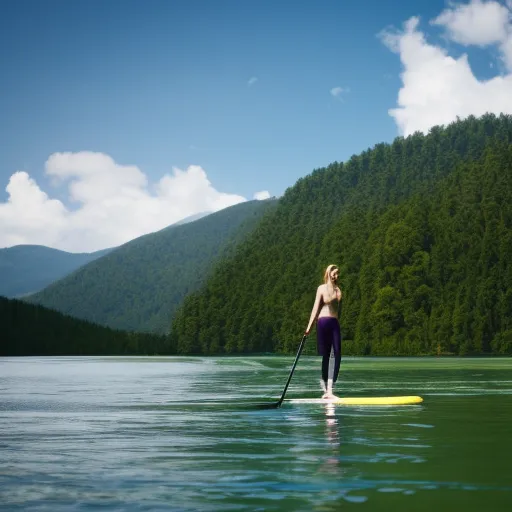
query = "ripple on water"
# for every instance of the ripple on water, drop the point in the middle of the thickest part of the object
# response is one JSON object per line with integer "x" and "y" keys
{"x": 139, "y": 435}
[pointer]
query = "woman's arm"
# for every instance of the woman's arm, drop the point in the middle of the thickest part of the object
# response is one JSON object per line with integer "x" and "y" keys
{"x": 316, "y": 309}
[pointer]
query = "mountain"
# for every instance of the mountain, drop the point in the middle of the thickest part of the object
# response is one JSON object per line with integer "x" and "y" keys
{"x": 422, "y": 232}
{"x": 26, "y": 269}
{"x": 192, "y": 218}
{"x": 139, "y": 285}
{"x": 30, "y": 330}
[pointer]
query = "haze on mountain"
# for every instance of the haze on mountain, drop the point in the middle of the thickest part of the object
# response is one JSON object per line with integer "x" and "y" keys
{"x": 26, "y": 269}
{"x": 138, "y": 286}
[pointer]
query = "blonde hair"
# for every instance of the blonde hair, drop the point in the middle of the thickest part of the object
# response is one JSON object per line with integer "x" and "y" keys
{"x": 327, "y": 275}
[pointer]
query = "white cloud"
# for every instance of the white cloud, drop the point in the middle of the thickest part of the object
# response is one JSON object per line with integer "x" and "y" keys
{"x": 336, "y": 92}
{"x": 264, "y": 194}
{"x": 506, "y": 50}
{"x": 479, "y": 23}
{"x": 252, "y": 80}
{"x": 114, "y": 203}
{"x": 29, "y": 216}
{"x": 438, "y": 88}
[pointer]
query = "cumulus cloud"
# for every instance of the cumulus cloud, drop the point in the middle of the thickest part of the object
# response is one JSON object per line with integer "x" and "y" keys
{"x": 113, "y": 203}
{"x": 480, "y": 23}
{"x": 438, "y": 88}
{"x": 252, "y": 80}
{"x": 264, "y": 194}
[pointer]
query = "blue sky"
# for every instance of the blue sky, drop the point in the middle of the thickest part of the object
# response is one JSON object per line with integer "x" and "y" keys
{"x": 244, "y": 90}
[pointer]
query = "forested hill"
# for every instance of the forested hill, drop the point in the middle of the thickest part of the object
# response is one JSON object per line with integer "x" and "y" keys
{"x": 30, "y": 330}
{"x": 27, "y": 269}
{"x": 421, "y": 230}
{"x": 139, "y": 285}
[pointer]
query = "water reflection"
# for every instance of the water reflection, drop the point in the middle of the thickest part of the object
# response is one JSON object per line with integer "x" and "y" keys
{"x": 352, "y": 462}
{"x": 332, "y": 464}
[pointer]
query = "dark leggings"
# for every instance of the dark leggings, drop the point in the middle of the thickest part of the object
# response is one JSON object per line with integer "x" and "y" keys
{"x": 329, "y": 337}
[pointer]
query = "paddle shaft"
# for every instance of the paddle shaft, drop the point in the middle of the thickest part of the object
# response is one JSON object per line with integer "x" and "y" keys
{"x": 301, "y": 346}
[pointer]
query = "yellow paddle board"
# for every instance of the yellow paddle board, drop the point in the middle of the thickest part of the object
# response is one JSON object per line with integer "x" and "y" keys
{"x": 374, "y": 400}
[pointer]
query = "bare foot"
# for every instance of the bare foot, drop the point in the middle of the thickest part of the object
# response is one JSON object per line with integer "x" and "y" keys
{"x": 329, "y": 396}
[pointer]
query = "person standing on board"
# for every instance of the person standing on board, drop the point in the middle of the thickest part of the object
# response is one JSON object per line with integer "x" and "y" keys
{"x": 326, "y": 309}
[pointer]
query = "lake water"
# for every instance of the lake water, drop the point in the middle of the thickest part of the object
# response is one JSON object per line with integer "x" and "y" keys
{"x": 164, "y": 433}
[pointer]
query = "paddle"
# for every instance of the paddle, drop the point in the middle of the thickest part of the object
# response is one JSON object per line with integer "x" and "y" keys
{"x": 277, "y": 404}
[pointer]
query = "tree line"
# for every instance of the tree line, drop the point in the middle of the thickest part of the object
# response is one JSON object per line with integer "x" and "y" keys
{"x": 29, "y": 329}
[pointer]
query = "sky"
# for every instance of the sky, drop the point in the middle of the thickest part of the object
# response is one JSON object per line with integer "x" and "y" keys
{"x": 120, "y": 117}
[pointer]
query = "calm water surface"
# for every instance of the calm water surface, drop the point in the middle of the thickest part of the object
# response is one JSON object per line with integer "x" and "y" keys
{"x": 183, "y": 434}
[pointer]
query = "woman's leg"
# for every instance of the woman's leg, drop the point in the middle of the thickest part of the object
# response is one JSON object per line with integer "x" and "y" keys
{"x": 325, "y": 367}
{"x": 336, "y": 347}
{"x": 324, "y": 345}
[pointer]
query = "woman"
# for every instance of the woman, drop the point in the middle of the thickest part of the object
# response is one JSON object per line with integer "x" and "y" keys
{"x": 326, "y": 308}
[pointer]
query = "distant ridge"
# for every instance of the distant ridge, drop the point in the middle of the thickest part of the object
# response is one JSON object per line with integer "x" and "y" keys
{"x": 191, "y": 218}
{"x": 26, "y": 269}
{"x": 139, "y": 285}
